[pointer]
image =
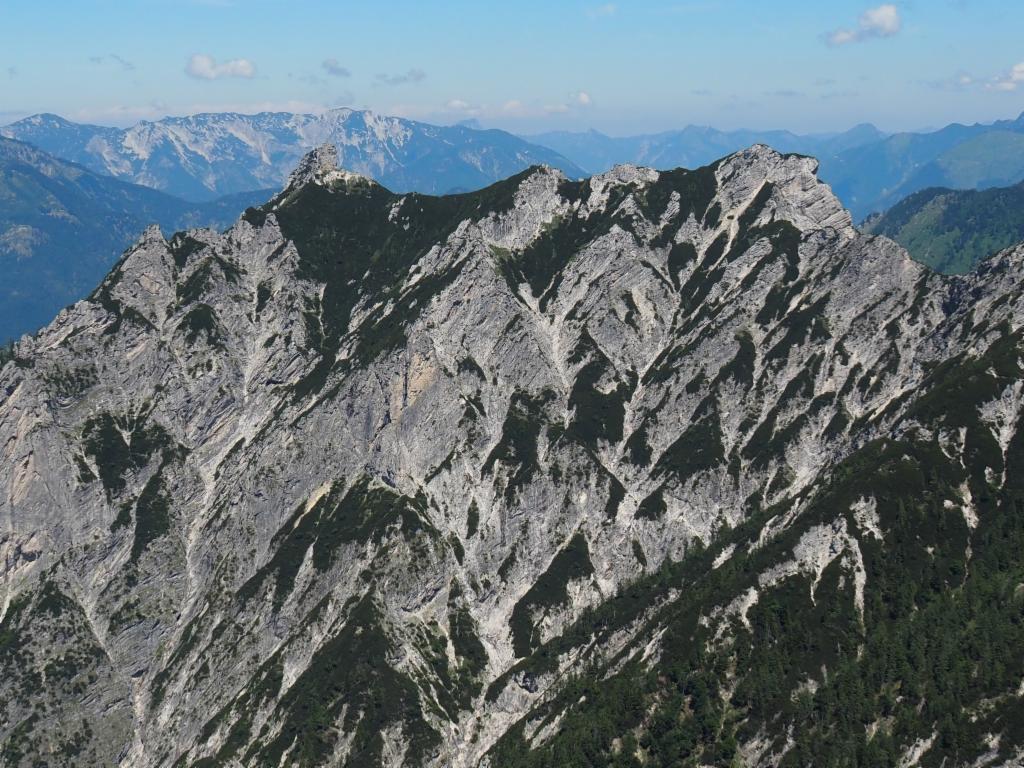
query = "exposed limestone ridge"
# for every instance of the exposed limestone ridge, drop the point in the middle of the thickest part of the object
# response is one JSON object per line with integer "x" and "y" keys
{"x": 320, "y": 166}
{"x": 802, "y": 198}
{"x": 152, "y": 234}
{"x": 435, "y": 435}
{"x": 546, "y": 171}
{"x": 314, "y": 165}
{"x": 627, "y": 173}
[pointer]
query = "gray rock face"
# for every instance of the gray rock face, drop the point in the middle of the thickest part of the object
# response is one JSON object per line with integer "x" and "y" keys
{"x": 304, "y": 492}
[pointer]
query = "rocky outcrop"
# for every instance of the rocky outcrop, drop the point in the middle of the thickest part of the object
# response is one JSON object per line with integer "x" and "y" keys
{"x": 322, "y": 489}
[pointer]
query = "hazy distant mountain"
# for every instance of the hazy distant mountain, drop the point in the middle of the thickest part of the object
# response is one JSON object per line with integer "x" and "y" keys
{"x": 62, "y": 227}
{"x": 951, "y": 230}
{"x": 692, "y": 146}
{"x": 868, "y": 170}
{"x": 875, "y": 176}
{"x": 205, "y": 156}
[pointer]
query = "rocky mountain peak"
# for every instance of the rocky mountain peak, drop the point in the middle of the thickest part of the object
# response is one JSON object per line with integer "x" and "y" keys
{"x": 486, "y": 443}
{"x": 804, "y": 199}
{"x": 320, "y": 166}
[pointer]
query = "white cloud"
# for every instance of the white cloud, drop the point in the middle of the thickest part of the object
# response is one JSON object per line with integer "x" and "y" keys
{"x": 1010, "y": 81}
{"x": 958, "y": 82}
{"x": 460, "y": 108}
{"x": 579, "y": 99}
{"x": 882, "y": 21}
{"x": 607, "y": 9}
{"x": 333, "y": 68}
{"x": 412, "y": 76}
{"x": 203, "y": 67}
{"x": 113, "y": 58}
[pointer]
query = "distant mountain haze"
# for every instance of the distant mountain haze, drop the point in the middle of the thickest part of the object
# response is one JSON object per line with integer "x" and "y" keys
{"x": 876, "y": 176}
{"x": 868, "y": 170}
{"x": 205, "y": 156}
{"x": 693, "y": 145}
{"x": 62, "y": 227}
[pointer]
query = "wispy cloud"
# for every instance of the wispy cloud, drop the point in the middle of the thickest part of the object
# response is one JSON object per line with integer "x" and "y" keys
{"x": 599, "y": 11}
{"x": 308, "y": 78}
{"x": 1006, "y": 82}
{"x": 412, "y": 76}
{"x": 10, "y": 115}
{"x": 958, "y": 82}
{"x": 882, "y": 21}
{"x": 333, "y": 68}
{"x": 843, "y": 93}
{"x": 344, "y": 99}
{"x": 113, "y": 58}
{"x": 461, "y": 105}
{"x": 1009, "y": 81}
{"x": 204, "y": 67}
{"x": 577, "y": 100}
{"x": 12, "y": 72}
{"x": 517, "y": 108}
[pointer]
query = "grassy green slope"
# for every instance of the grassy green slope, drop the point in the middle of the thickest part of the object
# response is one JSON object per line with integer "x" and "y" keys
{"x": 952, "y": 231}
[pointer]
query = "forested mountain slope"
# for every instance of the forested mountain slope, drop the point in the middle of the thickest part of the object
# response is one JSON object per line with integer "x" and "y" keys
{"x": 954, "y": 230}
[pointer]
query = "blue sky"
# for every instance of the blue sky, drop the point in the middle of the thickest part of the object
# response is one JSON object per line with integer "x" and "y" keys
{"x": 621, "y": 67}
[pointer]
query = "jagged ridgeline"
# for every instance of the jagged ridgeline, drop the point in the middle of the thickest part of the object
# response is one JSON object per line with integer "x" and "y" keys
{"x": 650, "y": 469}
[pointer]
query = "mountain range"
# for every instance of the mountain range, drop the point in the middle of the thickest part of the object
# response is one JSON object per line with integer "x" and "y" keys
{"x": 62, "y": 227}
{"x": 868, "y": 170}
{"x": 205, "y": 156}
{"x": 953, "y": 230}
{"x": 694, "y": 145}
{"x": 644, "y": 469}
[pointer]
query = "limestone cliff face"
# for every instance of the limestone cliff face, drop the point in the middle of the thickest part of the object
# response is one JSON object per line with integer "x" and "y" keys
{"x": 310, "y": 491}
